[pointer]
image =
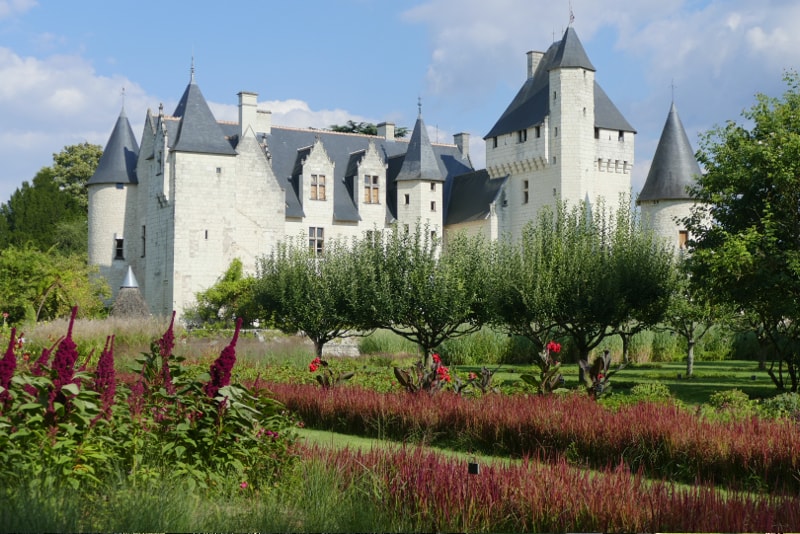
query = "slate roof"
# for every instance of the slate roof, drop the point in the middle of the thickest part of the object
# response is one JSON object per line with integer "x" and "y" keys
{"x": 420, "y": 162}
{"x": 469, "y": 196}
{"x": 531, "y": 104}
{"x": 117, "y": 165}
{"x": 674, "y": 166}
{"x": 198, "y": 130}
{"x": 342, "y": 148}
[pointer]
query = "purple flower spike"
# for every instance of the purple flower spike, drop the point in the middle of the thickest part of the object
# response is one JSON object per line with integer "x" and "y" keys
{"x": 222, "y": 366}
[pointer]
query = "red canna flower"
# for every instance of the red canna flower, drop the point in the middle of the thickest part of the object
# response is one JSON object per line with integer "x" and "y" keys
{"x": 554, "y": 347}
{"x": 436, "y": 358}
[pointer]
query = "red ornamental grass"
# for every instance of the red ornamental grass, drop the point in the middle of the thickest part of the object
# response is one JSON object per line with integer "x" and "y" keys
{"x": 7, "y": 367}
{"x": 105, "y": 382}
{"x": 222, "y": 366}
{"x": 529, "y": 496}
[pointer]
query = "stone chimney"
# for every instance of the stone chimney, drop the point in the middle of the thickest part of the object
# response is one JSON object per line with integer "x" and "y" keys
{"x": 248, "y": 104}
{"x": 386, "y": 130}
{"x": 461, "y": 140}
{"x": 534, "y": 57}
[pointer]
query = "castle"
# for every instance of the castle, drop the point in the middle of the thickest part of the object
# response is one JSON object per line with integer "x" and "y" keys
{"x": 172, "y": 212}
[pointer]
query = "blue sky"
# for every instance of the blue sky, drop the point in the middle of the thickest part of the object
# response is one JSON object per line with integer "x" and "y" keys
{"x": 63, "y": 65}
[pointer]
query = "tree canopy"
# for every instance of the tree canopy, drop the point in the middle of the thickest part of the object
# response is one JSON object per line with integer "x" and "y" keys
{"x": 745, "y": 230}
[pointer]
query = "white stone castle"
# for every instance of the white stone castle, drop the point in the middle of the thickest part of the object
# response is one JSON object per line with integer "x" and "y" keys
{"x": 171, "y": 213}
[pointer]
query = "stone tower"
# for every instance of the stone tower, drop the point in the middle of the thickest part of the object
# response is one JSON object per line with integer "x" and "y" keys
{"x": 561, "y": 138}
{"x": 112, "y": 195}
{"x": 664, "y": 199}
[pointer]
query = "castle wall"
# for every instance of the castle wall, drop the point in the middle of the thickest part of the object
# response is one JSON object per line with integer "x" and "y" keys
{"x": 663, "y": 216}
{"x": 108, "y": 206}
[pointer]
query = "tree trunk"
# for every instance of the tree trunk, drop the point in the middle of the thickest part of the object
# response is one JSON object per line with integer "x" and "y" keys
{"x": 626, "y": 347}
{"x": 690, "y": 358}
{"x": 318, "y": 345}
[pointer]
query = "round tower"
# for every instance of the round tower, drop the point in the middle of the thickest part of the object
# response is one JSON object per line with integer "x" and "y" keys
{"x": 112, "y": 197}
{"x": 665, "y": 199}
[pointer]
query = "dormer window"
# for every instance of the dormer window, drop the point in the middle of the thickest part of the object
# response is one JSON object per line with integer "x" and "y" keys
{"x": 522, "y": 136}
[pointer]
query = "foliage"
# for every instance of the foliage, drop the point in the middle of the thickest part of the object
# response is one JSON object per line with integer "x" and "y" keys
{"x": 303, "y": 292}
{"x": 327, "y": 378}
{"x": 550, "y": 378}
{"x": 231, "y": 297}
{"x": 661, "y": 439}
{"x": 597, "y": 376}
{"x": 63, "y": 424}
{"x": 408, "y": 285}
{"x": 366, "y": 128}
{"x": 37, "y": 285}
{"x": 783, "y": 405}
{"x": 421, "y": 490}
{"x": 582, "y": 272}
{"x": 744, "y": 229}
{"x": 72, "y": 169}
{"x": 39, "y": 213}
{"x": 430, "y": 378}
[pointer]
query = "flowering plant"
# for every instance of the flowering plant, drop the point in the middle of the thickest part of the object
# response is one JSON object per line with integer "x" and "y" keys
{"x": 422, "y": 377}
{"x": 327, "y": 378}
{"x": 550, "y": 378}
{"x": 597, "y": 375}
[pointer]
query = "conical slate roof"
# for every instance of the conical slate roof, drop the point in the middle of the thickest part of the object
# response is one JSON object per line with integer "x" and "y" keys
{"x": 570, "y": 52}
{"x": 117, "y": 165}
{"x": 420, "y": 162}
{"x": 531, "y": 104}
{"x": 198, "y": 130}
{"x": 130, "y": 279}
{"x": 674, "y": 166}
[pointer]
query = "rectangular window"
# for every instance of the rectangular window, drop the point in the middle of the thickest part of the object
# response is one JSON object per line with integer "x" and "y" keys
{"x": 494, "y": 142}
{"x": 119, "y": 248}
{"x": 144, "y": 239}
{"x": 317, "y": 187}
{"x": 683, "y": 238}
{"x": 597, "y": 133}
{"x": 433, "y": 186}
{"x": 538, "y": 131}
{"x": 120, "y": 185}
{"x": 433, "y": 205}
{"x": 371, "y": 191}
{"x": 524, "y": 191}
{"x": 522, "y": 136}
{"x": 316, "y": 240}
{"x": 621, "y": 136}
{"x": 408, "y": 199}
{"x": 219, "y": 171}
{"x": 433, "y": 235}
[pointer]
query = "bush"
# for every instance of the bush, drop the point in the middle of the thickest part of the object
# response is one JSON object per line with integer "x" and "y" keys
{"x": 665, "y": 347}
{"x": 731, "y": 404}
{"x": 650, "y": 392}
{"x": 484, "y": 347}
{"x": 783, "y": 405}
{"x": 386, "y": 342}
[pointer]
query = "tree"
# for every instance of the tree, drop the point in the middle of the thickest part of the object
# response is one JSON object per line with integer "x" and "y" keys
{"x": 411, "y": 287}
{"x": 691, "y": 314}
{"x": 303, "y": 292}
{"x": 231, "y": 297}
{"x": 583, "y": 273}
{"x": 73, "y": 167}
{"x": 36, "y": 285}
{"x": 366, "y": 128}
{"x": 745, "y": 229}
{"x": 35, "y": 211}
{"x": 53, "y": 208}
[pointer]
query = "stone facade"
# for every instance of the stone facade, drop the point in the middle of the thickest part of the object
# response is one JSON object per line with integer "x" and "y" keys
{"x": 203, "y": 192}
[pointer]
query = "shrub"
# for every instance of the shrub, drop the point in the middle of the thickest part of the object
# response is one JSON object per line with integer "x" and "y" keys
{"x": 783, "y": 405}
{"x": 665, "y": 348}
{"x": 650, "y": 392}
{"x": 486, "y": 346}
{"x": 731, "y": 404}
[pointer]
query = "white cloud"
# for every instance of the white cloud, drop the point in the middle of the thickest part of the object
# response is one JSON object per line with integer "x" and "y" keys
{"x": 9, "y": 8}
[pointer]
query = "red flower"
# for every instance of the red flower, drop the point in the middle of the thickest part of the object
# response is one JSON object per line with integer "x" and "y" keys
{"x": 436, "y": 358}
{"x": 312, "y": 367}
{"x": 473, "y": 376}
{"x": 554, "y": 347}
{"x": 600, "y": 376}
